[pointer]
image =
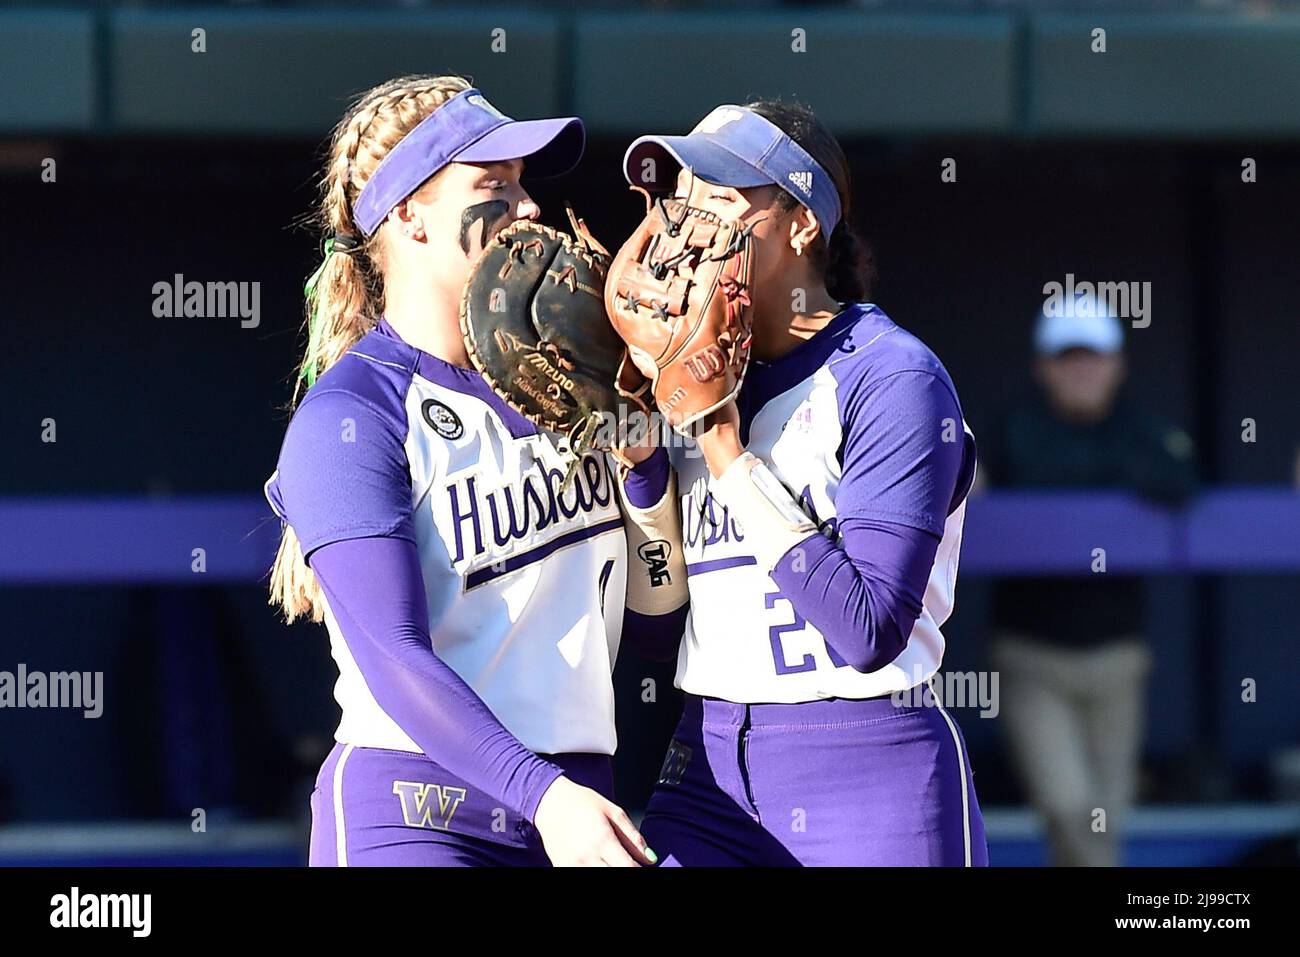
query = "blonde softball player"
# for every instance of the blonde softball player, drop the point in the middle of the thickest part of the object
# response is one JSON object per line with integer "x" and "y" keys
{"x": 473, "y": 608}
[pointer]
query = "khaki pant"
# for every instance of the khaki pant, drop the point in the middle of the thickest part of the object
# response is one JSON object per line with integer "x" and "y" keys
{"x": 1075, "y": 719}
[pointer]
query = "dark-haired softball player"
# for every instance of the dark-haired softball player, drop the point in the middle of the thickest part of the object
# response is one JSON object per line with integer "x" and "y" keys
{"x": 474, "y": 610}
{"x": 821, "y": 530}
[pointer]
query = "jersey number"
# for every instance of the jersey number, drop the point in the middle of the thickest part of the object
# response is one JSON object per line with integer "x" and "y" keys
{"x": 774, "y": 633}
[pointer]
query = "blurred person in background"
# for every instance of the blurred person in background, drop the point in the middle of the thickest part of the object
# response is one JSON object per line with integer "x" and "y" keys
{"x": 1072, "y": 659}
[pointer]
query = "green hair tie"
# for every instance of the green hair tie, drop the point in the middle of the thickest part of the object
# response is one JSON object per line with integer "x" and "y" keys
{"x": 313, "y": 324}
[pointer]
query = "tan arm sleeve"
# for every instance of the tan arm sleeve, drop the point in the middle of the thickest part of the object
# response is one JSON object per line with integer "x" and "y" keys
{"x": 656, "y": 567}
{"x": 773, "y": 521}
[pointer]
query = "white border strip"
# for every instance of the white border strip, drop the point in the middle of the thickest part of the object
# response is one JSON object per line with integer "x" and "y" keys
{"x": 340, "y": 834}
{"x": 961, "y": 766}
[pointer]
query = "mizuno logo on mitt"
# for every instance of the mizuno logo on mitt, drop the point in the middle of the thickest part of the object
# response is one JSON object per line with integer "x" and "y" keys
{"x": 538, "y": 361}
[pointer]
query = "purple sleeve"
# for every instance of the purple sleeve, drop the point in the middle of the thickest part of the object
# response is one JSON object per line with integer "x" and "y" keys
{"x": 342, "y": 473}
{"x": 648, "y": 480}
{"x": 376, "y": 591}
{"x": 864, "y": 594}
{"x": 904, "y": 448}
{"x": 905, "y": 454}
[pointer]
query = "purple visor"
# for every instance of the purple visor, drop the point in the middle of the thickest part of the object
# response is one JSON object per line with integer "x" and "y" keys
{"x": 466, "y": 129}
{"x": 734, "y": 146}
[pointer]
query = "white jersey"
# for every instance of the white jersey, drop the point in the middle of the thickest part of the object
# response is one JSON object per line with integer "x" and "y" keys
{"x": 744, "y": 639}
{"x": 525, "y": 585}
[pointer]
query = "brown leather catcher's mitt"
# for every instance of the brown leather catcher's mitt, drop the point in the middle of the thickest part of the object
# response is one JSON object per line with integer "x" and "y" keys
{"x": 533, "y": 317}
{"x": 678, "y": 295}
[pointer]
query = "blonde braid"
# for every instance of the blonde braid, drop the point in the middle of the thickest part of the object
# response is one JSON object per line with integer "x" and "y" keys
{"x": 349, "y": 292}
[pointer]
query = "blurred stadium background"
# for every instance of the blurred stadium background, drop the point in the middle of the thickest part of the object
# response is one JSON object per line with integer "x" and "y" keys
{"x": 1123, "y": 166}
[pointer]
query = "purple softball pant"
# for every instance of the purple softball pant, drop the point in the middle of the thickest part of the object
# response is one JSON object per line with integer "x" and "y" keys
{"x": 375, "y": 807}
{"x": 824, "y": 783}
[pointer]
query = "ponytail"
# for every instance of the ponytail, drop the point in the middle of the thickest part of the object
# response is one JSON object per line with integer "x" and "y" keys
{"x": 343, "y": 302}
{"x": 845, "y": 259}
{"x": 345, "y": 296}
{"x": 849, "y": 265}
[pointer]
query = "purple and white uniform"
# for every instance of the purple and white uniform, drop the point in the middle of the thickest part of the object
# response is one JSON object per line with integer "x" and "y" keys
{"x": 790, "y": 750}
{"x": 473, "y": 609}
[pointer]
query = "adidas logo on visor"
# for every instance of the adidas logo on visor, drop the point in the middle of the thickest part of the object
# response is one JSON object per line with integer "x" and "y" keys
{"x": 802, "y": 180}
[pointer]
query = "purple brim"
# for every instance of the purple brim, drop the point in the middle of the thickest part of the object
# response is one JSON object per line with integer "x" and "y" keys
{"x": 548, "y": 147}
{"x": 705, "y": 158}
{"x": 734, "y": 146}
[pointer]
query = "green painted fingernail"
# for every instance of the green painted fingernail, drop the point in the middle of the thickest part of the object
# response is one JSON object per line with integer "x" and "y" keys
{"x": 654, "y": 858}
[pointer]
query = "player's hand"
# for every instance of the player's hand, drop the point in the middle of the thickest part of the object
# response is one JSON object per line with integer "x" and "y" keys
{"x": 579, "y": 828}
{"x": 646, "y": 441}
{"x": 719, "y": 438}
